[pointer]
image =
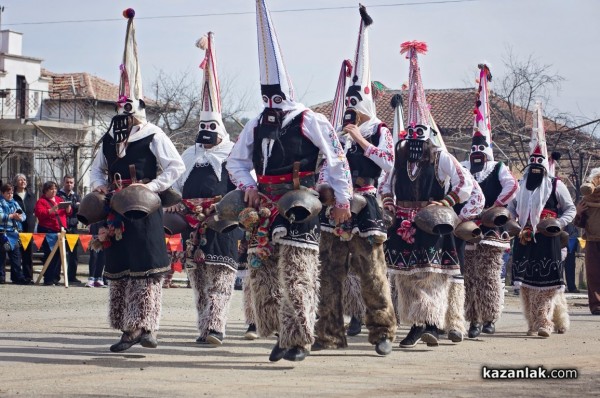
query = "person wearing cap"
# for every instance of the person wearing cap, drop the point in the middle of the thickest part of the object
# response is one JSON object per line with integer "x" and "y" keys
{"x": 211, "y": 256}
{"x": 136, "y": 253}
{"x": 424, "y": 175}
{"x": 483, "y": 260}
{"x": 358, "y": 243}
{"x": 542, "y": 206}
{"x": 282, "y": 145}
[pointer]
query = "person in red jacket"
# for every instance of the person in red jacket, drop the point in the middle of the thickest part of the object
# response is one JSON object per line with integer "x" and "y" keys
{"x": 51, "y": 218}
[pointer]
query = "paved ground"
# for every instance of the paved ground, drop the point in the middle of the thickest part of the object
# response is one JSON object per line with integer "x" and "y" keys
{"x": 54, "y": 342}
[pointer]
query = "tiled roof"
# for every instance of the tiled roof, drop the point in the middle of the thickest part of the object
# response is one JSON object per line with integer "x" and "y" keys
{"x": 452, "y": 109}
{"x": 82, "y": 85}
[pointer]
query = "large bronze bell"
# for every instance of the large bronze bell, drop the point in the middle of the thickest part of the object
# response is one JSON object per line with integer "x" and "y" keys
{"x": 513, "y": 228}
{"x": 495, "y": 217}
{"x": 230, "y": 206}
{"x": 299, "y": 205}
{"x": 357, "y": 203}
{"x": 135, "y": 202}
{"x": 587, "y": 188}
{"x": 92, "y": 208}
{"x": 169, "y": 197}
{"x": 221, "y": 226}
{"x": 436, "y": 220}
{"x": 549, "y": 227}
{"x": 469, "y": 232}
{"x": 564, "y": 239}
{"x": 174, "y": 223}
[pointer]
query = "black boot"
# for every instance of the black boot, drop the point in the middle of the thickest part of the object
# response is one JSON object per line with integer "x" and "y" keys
{"x": 413, "y": 337}
{"x": 295, "y": 354}
{"x": 488, "y": 328}
{"x": 251, "y": 332}
{"x": 277, "y": 353}
{"x": 148, "y": 340}
{"x": 474, "y": 330}
{"x": 214, "y": 338}
{"x": 355, "y": 326}
{"x": 455, "y": 336}
{"x": 201, "y": 340}
{"x": 431, "y": 336}
{"x": 383, "y": 346}
{"x": 127, "y": 341}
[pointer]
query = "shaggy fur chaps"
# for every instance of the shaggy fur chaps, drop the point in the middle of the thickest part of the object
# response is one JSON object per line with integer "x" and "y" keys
{"x": 545, "y": 310}
{"x": 212, "y": 286}
{"x": 455, "y": 319}
{"x": 483, "y": 285}
{"x": 248, "y": 303}
{"x": 284, "y": 290}
{"x": 352, "y": 299}
{"x": 423, "y": 298}
{"x": 135, "y": 304}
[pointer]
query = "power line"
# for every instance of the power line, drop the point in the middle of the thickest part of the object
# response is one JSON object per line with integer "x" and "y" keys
{"x": 414, "y": 3}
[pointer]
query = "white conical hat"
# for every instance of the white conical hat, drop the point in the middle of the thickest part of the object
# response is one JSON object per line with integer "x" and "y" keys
{"x": 482, "y": 128}
{"x": 339, "y": 100}
{"x": 360, "y": 93}
{"x": 130, "y": 87}
{"x": 538, "y": 151}
{"x": 274, "y": 79}
{"x": 210, "y": 108}
{"x": 418, "y": 110}
{"x": 399, "y": 132}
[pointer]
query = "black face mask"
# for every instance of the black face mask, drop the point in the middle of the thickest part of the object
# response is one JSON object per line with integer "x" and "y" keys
{"x": 207, "y": 137}
{"x": 535, "y": 176}
{"x": 270, "y": 123}
{"x": 415, "y": 150}
{"x": 121, "y": 126}
{"x": 477, "y": 160}
{"x": 350, "y": 117}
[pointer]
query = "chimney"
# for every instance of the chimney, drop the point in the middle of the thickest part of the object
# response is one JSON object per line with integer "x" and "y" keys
{"x": 11, "y": 43}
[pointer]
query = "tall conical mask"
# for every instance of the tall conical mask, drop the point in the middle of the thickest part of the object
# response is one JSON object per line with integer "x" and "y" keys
{"x": 359, "y": 96}
{"x": 339, "y": 100}
{"x": 538, "y": 157}
{"x": 211, "y": 123}
{"x": 481, "y": 144}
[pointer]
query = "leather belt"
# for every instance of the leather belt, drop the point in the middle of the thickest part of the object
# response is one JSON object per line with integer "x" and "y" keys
{"x": 363, "y": 181}
{"x": 281, "y": 188}
{"x": 412, "y": 205}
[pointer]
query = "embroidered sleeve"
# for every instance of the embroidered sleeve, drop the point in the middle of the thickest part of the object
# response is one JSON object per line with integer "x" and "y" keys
{"x": 462, "y": 186}
{"x": 239, "y": 163}
{"x": 385, "y": 186}
{"x": 509, "y": 184}
{"x": 474, "y": 205}
{"x": 321, "y": 133}
{"x": 169, "y": 160}
{"x": 565, "y": 203}
{"x": 383, "y": 154}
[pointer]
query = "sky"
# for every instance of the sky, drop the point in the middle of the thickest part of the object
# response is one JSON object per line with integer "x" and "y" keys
{"x": 564, "y": 34}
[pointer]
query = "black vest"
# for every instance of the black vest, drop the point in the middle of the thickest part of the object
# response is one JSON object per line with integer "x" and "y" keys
{"x": 491, "y": 186}
{"x": 361, "y": 166}
{"x": 425, "y": 186}
{"x": 203, "y": 183}
{"x": 290, "y": 145}
{"x": 552, "y": 202}
{"x": 138, "y": 153}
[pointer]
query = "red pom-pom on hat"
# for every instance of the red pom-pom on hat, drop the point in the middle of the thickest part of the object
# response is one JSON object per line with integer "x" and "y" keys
{"x": 129, "y": 13}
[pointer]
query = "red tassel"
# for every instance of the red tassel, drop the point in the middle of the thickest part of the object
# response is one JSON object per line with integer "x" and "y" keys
{"x": 419, "y": 46}
{"x": 348, "y": 65}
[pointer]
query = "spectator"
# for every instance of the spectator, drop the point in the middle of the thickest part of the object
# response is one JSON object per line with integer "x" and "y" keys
{"x": 11, "y": 216}
{"x": 26, "y": 200}
{"x": 97, "y": 261}
{"x": 67, "y": 194}
{"x": 572, "y": 248}
{"x": 51, "y": 218}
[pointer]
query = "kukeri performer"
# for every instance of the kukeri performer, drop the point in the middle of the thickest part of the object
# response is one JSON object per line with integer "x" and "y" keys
{"x": 136, "y": 252}
{"x": 423, "y": 259}
{"x": 282, "y": 145}
{"x": 211, "y": 255}
{"x": 483, "y": 260}
{"x": 543, "y": 207}
{"x": 369, "y": 149}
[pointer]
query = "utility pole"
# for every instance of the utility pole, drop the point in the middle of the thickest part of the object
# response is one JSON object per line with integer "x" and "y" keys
{"x": 580, "y": 176}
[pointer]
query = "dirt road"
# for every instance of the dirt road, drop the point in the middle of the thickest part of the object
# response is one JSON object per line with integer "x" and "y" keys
{"x": 54, "y": 342}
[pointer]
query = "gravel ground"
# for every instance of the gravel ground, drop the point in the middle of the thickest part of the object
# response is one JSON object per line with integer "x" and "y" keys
{"x": 54, "y": 342}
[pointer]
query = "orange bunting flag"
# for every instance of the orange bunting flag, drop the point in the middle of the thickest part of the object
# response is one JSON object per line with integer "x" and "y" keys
{"x": 38, "y": 240}
{"x": 174, "y": 243}
{"x": 25, "y": 238}
{"x": 72, "y": 240}
{"x": 85, "y": 241}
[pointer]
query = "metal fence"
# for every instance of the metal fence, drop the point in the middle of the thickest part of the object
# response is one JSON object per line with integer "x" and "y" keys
{"x": 40, "y": 105}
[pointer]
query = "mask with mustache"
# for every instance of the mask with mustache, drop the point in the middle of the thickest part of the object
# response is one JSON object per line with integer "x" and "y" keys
{"x": 535, "y": 176}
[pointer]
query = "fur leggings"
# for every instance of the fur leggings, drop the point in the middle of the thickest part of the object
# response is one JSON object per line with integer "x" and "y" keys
{"x": 483, "y": 286}
{"x": 248, "y": 302}
{"x": 368, "y": 262}
{"x": 423, "y": 298}
{"x": 455, "y": 314}
{"x": 284, "y": 291}
{"x": 545, "y": 309}
{"x": 135, "y": 304}
{"x": 212, "y": 285}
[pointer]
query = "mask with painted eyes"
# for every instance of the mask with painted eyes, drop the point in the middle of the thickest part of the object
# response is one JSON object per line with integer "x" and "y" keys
{"x": 477, "y": 158}
{"x": 208, "y": 133}
{"x": 272, "y": 96}
{"x": 536, "y": 173}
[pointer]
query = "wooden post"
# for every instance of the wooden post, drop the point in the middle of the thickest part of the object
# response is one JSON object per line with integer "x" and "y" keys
{"x": 47, "y": 263}
{"x": 60, "y": 245}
